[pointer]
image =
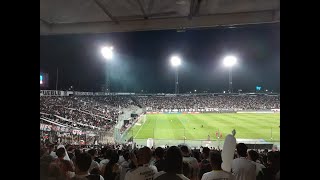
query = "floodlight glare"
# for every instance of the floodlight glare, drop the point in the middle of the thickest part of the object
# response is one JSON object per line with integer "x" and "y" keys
{"x": 175, "y": 61}
{"x": 107, "y": 52}
{"x": 229, "y": 61}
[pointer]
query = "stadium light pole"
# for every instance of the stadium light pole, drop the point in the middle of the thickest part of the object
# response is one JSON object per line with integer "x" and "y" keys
{"x": 176, "y": 62}
{"x": 229, "y": 62}
{"x": 107, "y": 53}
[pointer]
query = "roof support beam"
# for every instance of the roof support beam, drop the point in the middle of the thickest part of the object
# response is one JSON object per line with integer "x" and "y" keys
{"x": 194, "y": 8}
{"x": 45, "y": 26}
{"x": 105, "y": 10}
{"x": 142, "y": 10}
{"x": 229, "y": 19}
{"x": 45, "y": 22}
{"x": 150, "y": 6}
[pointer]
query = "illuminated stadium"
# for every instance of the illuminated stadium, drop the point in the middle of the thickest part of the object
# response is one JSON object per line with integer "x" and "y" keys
{"x": 164, "y": 119}
{"x": 198, "y": 119}
{"x": 159, "y": 89}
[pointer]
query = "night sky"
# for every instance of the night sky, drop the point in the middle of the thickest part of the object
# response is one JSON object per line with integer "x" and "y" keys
{"x": 142, "y": 59}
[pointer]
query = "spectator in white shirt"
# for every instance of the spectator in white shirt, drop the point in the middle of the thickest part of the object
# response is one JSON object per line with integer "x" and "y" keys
{"x": 126, "y": 162}
{"x": 144, "y": 170}
{"x": 242, "y": 168}
{"x": 104, "y": 162}
{"x": 83, "y": 162}
{"x": 173, "y": 166}
{"x": 121, "y": 158}
{"x": 253, "y": 156}
{"x": 205, "y": 165}
{"x": 187, "y": 171}
{"x": 94, "y": 165}
{"x": 192, "y": 162}
{"x": 51, "y": 151}
{"x": 217, "y": 172}
{"x": 112, "y": 169}
{"x": 125, "y": 166}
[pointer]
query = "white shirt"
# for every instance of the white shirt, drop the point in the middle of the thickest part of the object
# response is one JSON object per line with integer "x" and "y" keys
{"x": 103, "y": 163}
{"x": 93, "y": 165}
{"x": 194, "y": 164}
{"x": 144, "y": 172}
{"x": 243, "y": 169}
{"x": 162, "y": 172}
{"x": 123, "y": 172}
{"x": 217, "y": 174}
{"x": 259, "y": 167}
{"x": 125, "y": 164}
{"x": 121, "y": 159}
{"x": 53, "y": 154}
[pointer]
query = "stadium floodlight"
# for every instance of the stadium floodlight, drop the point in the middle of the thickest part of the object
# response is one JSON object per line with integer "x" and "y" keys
{"x": 195, "y": 90}
{"x": 175, "y": 62}
{"x": 107, "y": 52}
{"x": 229, "y": 62}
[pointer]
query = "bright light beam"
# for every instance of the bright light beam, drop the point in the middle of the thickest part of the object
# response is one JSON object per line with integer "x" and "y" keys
{"x": 229, "y": 61}
{"x": 107, "y": 52}
{"x": 175, "y": 61}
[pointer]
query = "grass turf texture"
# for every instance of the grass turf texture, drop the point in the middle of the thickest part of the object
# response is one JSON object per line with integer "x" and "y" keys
{"x": 178, "y": 126}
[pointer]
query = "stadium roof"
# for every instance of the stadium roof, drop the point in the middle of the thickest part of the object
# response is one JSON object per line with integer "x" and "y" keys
{"x": 103, "y": 16}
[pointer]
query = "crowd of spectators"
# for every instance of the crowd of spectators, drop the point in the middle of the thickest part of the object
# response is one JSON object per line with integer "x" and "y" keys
{"x": 103, "y": 111}
{"x": 252, "y": 102}
{"x": 97, "y": 111}
{"x": 121, "y": 162}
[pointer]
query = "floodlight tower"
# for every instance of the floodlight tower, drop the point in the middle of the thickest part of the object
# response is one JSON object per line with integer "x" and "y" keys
{"x": 229, "y": 62}
{"x": 107, "y": 53}
{"x": 176, "y": 62}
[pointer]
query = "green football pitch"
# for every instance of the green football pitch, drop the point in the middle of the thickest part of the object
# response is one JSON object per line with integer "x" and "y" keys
{"x": 198, "y": 126}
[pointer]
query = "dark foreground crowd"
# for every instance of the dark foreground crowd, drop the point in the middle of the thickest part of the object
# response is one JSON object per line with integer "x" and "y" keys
{"x": 112, "y": 162}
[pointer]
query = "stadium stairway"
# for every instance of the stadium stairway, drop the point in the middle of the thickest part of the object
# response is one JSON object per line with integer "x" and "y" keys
{"x": 107, "y": 137}
{"x": 134, "y": 99}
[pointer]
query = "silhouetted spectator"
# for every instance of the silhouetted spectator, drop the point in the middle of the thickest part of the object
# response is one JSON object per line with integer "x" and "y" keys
{"x": 205, "y": 165}
{"x": 112, "y": 169}
{"x": 174, "y": 165}
{"x": 83, "y": 162}
{"x": 217, "y": 172}
{"x": 242, "y": 168}
{"x": 144, "y": 170}
{"x": 159, "y": 155}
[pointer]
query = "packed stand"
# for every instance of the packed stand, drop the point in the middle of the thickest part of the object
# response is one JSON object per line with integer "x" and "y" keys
{"x": 98, "y": 111}
{"x": 245, "y": 102}
{"x": 121, "y": 162}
